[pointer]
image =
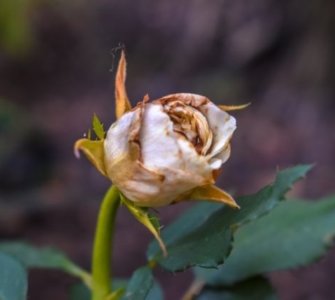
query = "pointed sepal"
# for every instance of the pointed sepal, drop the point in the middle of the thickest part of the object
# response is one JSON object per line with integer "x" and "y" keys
{"x": 234, "y": 107}
{"x": 213, "y": 193}
{"x": 148, "y": 220}
{"x": 122, "y": 104}
{"x": 94, "y": 151}
{"x": 98, "y": 127}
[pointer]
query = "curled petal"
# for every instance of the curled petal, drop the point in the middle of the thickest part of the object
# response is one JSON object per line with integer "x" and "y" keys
{"x": 94, "y": 151}
{"x": 195, "y": 166}
{"x": 193, "y": 100}
{"x": 234, "y": 107}
{"x": 222, "y": 124}
{"x": 122, "y": 102}
{"x": 217, "y": 161}
{"x": 213, "y": 193}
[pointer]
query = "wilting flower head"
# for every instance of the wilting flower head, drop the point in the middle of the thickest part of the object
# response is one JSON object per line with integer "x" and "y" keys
{"x": 164, "y": 151}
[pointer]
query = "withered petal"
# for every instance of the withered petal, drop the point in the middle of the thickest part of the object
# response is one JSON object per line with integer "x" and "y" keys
{"x": 187, "y": 98}
{"x": 222, "y": 125}
{"x": 122, "y": 104}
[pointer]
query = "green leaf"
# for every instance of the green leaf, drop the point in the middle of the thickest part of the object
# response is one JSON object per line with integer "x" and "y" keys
{"x": 13, "y": 279}
{"x": 98, "y": 127}
{"x": 150, "y": 221}
{"x": 139, "y": 285}
{"x": 257, "y": 288}
{"x": 33, "y": 257}
{"x": 81, "y": 292}
{"x": 294, "y": 234}
{"x": 203, "y": 236}
{"x": 155, "y": 292}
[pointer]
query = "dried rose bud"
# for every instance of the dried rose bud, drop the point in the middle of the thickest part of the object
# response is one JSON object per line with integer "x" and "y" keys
{"x": 164, "y": 151}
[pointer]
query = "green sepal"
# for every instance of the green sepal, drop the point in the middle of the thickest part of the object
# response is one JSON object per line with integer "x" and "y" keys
{"x": 94, "y": 151}
{"x": 150, "y": 221}
{"x": 98, "y": 127}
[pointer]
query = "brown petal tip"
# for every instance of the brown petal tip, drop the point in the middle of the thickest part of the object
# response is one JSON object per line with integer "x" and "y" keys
{"x": 234, "y": 107}
{"x": 122, "y": 102}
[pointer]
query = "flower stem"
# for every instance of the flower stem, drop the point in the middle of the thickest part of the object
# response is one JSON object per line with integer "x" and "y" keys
{"x": 101, "y": 260}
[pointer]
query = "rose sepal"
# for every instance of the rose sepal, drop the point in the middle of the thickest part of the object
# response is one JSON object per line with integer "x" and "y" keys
{"x": 213, "y": 193}
{"x": 94, "y": 151}
{"x": 148, "y": 220}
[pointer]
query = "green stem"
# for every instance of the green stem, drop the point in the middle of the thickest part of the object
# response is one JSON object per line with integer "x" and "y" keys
{"x": 102, "y": 249}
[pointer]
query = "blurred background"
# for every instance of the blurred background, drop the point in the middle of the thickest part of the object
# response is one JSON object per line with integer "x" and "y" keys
{"x": 57, "y": 67}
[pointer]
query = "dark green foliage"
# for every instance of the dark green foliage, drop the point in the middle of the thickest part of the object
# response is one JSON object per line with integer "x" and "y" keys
{"x": 81, "y": 292}
{"x": 294, "y": 234}
{"x": 33, "y": 257}
{"x": 257, "y": 288}
{"x": 13, "y": 279}
{"x": 203, "y": 236}
{"x": 139, "y": 285}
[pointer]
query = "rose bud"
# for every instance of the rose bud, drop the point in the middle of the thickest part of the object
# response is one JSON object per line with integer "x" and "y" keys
{"x": 164, "y": 151}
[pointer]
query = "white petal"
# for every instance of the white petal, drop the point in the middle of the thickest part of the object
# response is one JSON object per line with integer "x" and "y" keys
{"x": 116, "y": 142}
{"x": 215, "y": 163}
{"x": 193, "y": 163}
{"x": 158, "y": 145}
{"x": 222, "y": 124}
{"x": 140, "y": 191}
{"x": 194, "y": 171}
{"x": 225, "y": 154}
